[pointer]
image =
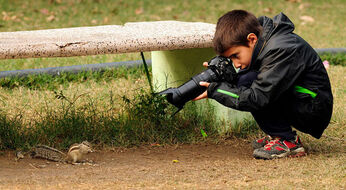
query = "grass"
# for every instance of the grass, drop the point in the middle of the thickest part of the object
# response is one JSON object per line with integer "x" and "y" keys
{"x": 335, "y": 59}
{"x": 146, "y": 118}
{"x": 50, "y": 82}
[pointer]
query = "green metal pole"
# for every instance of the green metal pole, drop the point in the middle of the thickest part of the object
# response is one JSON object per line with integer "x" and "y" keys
{"x": 147, "y": 72}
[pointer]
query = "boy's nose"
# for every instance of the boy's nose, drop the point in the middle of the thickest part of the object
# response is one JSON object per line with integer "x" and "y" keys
{"x": 236, "y": 64}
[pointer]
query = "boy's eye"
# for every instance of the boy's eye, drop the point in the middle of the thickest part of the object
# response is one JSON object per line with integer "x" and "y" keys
{"x": 234, "y": 56}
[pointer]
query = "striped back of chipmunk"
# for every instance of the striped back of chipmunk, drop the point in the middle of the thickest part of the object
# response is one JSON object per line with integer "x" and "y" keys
{"x": 74, "y": 147}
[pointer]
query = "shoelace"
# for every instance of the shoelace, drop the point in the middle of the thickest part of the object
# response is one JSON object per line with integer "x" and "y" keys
{"x": 263, "y": 139}
{"x": 271, "y": 143}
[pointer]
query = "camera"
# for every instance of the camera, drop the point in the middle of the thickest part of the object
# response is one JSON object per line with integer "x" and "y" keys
{"x": 219, "y": 69}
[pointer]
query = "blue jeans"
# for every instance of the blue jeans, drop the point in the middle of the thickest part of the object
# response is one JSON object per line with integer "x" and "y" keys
{"x": 275, "y": 119}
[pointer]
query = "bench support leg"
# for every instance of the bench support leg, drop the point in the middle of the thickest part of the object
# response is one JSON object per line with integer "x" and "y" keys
{"x": 174, "y": 67}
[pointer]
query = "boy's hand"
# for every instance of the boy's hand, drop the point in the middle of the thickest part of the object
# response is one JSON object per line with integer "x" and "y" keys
{"x": 205, "y": 84}
{"x": 204, "y": 94}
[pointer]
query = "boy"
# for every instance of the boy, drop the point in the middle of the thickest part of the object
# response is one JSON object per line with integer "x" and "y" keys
{"x": 282, "y": 81}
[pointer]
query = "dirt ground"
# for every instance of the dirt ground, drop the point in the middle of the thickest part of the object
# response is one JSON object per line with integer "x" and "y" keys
{"x": 228, "y": 165}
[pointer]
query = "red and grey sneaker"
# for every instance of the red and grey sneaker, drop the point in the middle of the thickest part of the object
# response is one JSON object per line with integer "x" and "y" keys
{"x": 278, "y": 148}
{"x": 259, "y": 143}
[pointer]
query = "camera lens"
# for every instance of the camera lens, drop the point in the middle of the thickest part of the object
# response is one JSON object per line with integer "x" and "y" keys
{"x": 219, "y": 69}
{"x": 189, "y": 90}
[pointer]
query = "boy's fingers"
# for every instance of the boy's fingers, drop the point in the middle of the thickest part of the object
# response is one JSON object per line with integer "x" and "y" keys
{"x": 197, "y": 98}
{"x": 205, "y": 84}
{"x": 202, "y": 96}
{"x": 205, "y": 64}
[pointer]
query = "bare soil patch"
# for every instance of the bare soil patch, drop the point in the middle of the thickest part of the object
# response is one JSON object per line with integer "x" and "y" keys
{"x": 228, "y": 165}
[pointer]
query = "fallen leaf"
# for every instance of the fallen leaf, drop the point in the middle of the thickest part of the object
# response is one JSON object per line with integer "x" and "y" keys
{"x": 50, "y": 18}
{"x": 105, "y": 20}
{"x": 14, "y": 17}
{"x": 301, "y": 7}
{"x": 41, "y": 166}
{"x": 44, "y": 11}
{"x": 294, "y": 1}
{"x": 155, "y": 17}
{"x": 175, "y": 161}
{"x": 168, "y": 8}
{"x": 155, "y": 144}
{"x": 307, "y": 18}
{"x": 139, "y": 11}
{"x": 304, "y": 5}
{"x": 55, "y": 1}
{"x": 186, "y": 13}
{"x": 5, "y": 16}
{"x": 268, "y": 10}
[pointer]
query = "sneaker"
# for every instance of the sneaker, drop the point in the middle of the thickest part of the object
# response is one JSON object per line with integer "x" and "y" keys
{"x": 259, "y": 143}
{"x": 278, "y": 148}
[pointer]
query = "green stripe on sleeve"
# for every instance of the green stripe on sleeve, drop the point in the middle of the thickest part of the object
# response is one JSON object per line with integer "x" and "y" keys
{"x": 227, "y": 93}
{"x": 305, "y": 91}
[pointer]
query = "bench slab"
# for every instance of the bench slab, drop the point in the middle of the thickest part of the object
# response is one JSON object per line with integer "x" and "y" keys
{"x": 109, "y": 39}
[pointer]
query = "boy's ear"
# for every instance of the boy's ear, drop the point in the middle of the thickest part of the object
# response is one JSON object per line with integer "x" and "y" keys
{"x": 252, "y": 38}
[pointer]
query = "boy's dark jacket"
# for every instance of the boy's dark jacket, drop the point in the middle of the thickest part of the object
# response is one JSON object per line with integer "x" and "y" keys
{"x": 286, "y": 64}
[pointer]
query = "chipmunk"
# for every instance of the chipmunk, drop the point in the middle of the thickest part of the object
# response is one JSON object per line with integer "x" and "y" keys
{"x": 75, "y": 153}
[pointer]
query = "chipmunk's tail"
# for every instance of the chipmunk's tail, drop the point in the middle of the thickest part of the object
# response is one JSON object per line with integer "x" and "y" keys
{"x": 49, "y": 153}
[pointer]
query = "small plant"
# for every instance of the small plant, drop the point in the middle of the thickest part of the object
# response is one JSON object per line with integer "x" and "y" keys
{"x": 152, "y": 117}
{"x": 243, "y": 129}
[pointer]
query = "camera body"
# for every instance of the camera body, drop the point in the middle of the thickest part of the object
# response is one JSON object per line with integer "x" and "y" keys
{"x": 219, "y": 69}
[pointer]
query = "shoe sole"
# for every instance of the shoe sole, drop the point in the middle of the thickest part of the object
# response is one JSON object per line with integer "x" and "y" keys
{"x": 257, "y": 146}
{"x": 299, "y": 152}
{"x": 295, "y": 153}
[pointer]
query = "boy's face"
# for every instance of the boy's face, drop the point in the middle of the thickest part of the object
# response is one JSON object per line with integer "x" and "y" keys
{"x": 241, "y": 55}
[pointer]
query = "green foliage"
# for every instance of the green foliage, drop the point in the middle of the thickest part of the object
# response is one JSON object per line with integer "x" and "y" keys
{"x": 50, "y": 82}
{"x": 147, "y": 118}
{"x": 11, "y": 133}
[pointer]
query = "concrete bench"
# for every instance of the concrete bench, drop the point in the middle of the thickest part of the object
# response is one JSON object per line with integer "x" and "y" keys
{"x": 177, "y": 48}
{"x": 111, "y": 39}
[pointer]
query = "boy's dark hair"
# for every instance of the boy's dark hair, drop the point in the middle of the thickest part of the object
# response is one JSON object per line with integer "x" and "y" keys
{"x": 233, "y": 28}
